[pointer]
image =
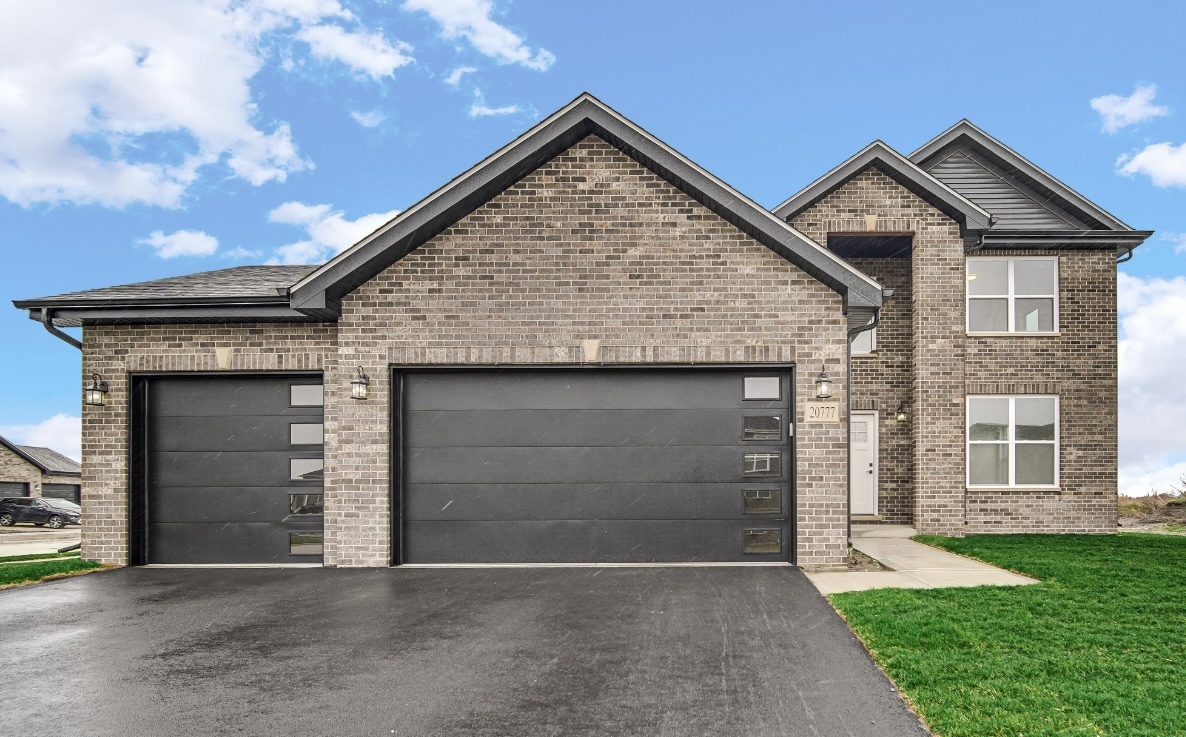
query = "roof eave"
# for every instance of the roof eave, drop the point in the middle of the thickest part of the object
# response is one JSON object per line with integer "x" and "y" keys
{"x": 148, "y": 314}
{"x": 899, "y": 168}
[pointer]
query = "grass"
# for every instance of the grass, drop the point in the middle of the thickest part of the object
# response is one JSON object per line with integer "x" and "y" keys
{"x": 39, "y": 556}
{"x": 23, "y": 573}
{"x": 1099, "y": 648}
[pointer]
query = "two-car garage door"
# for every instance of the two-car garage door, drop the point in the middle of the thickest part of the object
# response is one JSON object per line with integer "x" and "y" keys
{"x": 555, "y": 466}
{"x": 515, "y": 466}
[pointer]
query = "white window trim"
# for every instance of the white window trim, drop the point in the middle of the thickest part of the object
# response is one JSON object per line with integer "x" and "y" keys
{"x": 1012, "y": 442}
{"x": 1011, "y": 297}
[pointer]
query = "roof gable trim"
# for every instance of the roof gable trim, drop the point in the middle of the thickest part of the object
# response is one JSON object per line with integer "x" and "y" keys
{"x": 901, "y": 170}
{"x": 966, "y": 129}
{"x": 319, "y": 292}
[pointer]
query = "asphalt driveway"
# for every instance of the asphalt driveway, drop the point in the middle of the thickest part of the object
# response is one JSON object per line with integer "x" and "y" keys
{"x": 507, "y": 651}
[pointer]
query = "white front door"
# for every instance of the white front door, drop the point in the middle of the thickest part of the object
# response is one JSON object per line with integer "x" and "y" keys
{"x": 862, "y": 461}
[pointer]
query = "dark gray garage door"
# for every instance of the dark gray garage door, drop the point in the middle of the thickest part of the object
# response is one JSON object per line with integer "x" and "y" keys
{"x": 13, "y": 488}
{"x": 234, "y": 470}
{"x": 595, "y": 466}
{"x": 69, "y": 492}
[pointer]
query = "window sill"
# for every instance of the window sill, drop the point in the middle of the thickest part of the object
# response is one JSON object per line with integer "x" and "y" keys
{"x": 1019, "y": 334}
{"x": 998, "y": 489}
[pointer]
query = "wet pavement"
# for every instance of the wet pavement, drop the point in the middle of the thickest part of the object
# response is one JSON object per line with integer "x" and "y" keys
{"x": 502, "y": 651}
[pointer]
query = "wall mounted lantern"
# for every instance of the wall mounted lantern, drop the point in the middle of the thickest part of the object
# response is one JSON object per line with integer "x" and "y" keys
{"x": 901, "y": 414}
{"x": 358, "y": 387}
{"x": 823, "y": 386}
{"x": 95, "y": 394}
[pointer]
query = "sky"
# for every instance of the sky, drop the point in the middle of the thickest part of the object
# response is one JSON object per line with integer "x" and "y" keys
{"x": 142, "y": 139}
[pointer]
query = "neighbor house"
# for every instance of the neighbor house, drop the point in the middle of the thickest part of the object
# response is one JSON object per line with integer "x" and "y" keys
{"x": 589, "y": 349}
{"x": 29, "y": 470}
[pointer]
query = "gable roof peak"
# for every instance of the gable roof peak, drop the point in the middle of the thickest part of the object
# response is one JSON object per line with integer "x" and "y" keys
{"x": 320, "y": 293}
{"x": 965, "y": 132}
{"x": 884, "y": 158}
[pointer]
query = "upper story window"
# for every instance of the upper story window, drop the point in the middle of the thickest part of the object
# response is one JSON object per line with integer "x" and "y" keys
{"x": 1013, "y": 295}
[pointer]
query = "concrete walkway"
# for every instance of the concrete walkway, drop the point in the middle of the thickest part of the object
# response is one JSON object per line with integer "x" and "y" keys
{"x": 25, "y": 540}
{"x": 913, "y": 565}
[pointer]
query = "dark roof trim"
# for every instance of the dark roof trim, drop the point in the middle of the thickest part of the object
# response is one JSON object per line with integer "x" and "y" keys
{"x": 21, "y": 452}
{"x": 1106, "y": 240}
{"x": 97, "y": 314}
{"x": 901, "y": 170}
{"x": 319, "y": 293}
{"x": 1014, "y": 160}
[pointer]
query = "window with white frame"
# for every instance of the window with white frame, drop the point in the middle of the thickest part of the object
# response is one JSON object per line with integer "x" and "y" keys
{"x": 1013, "y": 295}
{"x": 1013, "y": 441}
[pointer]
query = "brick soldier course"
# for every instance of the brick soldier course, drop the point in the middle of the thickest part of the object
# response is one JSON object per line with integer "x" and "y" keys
{"x": 663, "y": 265}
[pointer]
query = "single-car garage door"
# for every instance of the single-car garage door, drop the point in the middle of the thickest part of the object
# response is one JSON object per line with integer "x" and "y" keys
{"x": 13, "y": 488}
{"x": 234, "y": 470}
{"x": 69, "y": 492}
{"x": 563, "y": 466}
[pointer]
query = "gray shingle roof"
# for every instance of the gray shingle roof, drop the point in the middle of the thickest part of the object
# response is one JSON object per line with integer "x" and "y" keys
{"x": 52, "y": 460}
{"x": 250, "y": 283}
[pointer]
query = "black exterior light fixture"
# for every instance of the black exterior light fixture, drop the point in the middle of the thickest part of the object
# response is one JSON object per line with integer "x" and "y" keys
{"x": 95, "y": 394}
{"x": 901, "y": 414}
{"x": 358, "y": 386}
{"x": 823, "y": 386}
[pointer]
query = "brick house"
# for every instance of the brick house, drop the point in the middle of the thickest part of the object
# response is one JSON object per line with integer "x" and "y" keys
{"x": 588, "y": 349}
{"x": 30, "y": 470}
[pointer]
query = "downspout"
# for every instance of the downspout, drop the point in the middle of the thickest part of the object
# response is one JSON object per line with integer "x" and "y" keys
{"x": 48, "y": 321}
{"x": 852, "y": 334}
{"x": 1127, "y": 255}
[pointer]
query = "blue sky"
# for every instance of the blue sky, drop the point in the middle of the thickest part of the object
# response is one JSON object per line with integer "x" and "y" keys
{"x": 141, "y": 140}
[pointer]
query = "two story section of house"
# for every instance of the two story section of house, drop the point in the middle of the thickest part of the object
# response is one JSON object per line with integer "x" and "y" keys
{"x": 588, "y": 349}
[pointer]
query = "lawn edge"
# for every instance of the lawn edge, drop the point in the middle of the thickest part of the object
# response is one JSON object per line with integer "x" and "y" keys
{"x": 978, "y": 560}
{"x": 58, "y": 576}
{"x": 914, "y": 709}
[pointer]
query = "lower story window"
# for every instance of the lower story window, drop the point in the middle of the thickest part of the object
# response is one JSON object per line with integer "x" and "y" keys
{"x": 1013, "y": 441}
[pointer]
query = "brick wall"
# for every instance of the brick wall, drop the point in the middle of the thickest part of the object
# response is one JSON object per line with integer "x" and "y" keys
{"x": 115, "y": 352}
{"x": 1079, "y": 364}
{"x": 937, "y": 334}
{"x": 590, "y": 246}
{"x": 15, "y": 468}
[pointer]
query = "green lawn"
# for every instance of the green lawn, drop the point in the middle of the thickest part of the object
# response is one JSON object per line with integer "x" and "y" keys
{"x": 39, "y": 556}
{"x": 17, "y": 573}
{"x": 1099, "y": 648}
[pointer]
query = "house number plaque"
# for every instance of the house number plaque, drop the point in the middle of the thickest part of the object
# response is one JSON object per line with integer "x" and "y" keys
{"x": 822, "y": 412}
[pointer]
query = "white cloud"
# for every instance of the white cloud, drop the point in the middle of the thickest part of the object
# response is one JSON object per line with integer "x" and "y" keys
{"x": 328, "y": 231}
{"x": 369, "y": 53}
{"x": 181, "y": 243}
{"x": 481, "y": 110}
{"x": 1178, "y": 239}
{"x": 368, "y": 120}
{"x": 240, "y": 254}
{"x": 62, "y": 433}
{"x": 470, "y": 19}
{"x": 1137, "y": 481}
{"x": 1152, "y": 352}
{"x": 1120, "y": 112}
{"x": 1164, "y": 163}
{"x": 118, "y": 103}
{"x": 455, "y": 76}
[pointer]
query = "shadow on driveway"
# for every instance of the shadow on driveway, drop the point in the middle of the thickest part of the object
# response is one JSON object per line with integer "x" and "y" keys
{"x": 507, "y": 651}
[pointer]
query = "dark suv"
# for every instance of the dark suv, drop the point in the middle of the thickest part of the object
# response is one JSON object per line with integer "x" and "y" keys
{"x": 53, "y": 513}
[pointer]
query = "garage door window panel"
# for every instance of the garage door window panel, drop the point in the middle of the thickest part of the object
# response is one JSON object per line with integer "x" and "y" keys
{"x": 762, "y": 542}
{"x": 306, "y": 433}
{"x": 762, "y": 428}
{"x": 306, "y": 395}
{"x": 761, "y": 501}
{"x": 762, "y": 464}
{"x": 306, "y": 469}
{"x": 305, "y": 543}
